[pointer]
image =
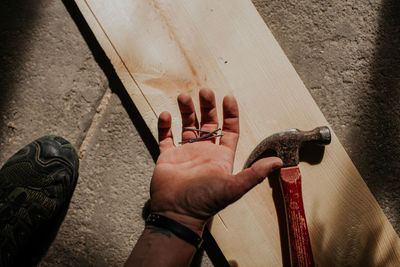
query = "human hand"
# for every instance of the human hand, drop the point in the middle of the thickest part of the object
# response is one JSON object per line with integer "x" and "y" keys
{"x": 194, "y": 181}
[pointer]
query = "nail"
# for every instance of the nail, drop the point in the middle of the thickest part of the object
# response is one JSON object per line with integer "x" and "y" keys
{"x": 204, "y": 137}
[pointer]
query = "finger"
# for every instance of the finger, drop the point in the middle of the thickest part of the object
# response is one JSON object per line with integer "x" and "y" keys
{"x": 250, "y": 177}
{"x": 188, "y": 114}
{"x": 230, "y": 127}
{"x": 165, "y": 137}
{"x": 209, "y": 118}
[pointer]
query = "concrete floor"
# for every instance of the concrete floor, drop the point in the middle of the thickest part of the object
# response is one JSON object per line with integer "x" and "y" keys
{"x": 53, "y": 78}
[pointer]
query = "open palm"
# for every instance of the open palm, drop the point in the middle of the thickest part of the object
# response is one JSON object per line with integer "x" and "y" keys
{"x": 194, "y": 181}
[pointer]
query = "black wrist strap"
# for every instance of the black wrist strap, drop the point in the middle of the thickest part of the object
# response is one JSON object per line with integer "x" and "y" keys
{"x": 178, "y": 229}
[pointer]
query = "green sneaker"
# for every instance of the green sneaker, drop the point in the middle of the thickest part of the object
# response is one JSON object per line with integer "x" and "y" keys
{"x": 36, "y": 185}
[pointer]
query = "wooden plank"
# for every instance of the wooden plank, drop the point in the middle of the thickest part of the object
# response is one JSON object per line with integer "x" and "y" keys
{"x": 161, "y": 48}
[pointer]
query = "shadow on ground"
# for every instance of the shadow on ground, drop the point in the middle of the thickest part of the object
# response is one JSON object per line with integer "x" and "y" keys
{"x": 381, "y": 140}
{"x": 16, "y": 22}
{"x": 17, "y": 19}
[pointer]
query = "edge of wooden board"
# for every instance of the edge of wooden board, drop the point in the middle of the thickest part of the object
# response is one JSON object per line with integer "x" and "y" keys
{"x": 127, "y": 79}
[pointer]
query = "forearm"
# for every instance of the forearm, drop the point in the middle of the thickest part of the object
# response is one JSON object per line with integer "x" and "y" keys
{"x": 160, "y": 247}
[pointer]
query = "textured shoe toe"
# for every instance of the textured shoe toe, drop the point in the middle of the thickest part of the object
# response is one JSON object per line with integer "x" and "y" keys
{"x": 56, "y": 147}
{"x": 36, "y": 185}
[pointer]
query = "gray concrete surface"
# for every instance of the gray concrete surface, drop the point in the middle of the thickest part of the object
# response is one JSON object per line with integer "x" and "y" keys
{"x": 105, "y": 216}
{"x": 51, "y": 81}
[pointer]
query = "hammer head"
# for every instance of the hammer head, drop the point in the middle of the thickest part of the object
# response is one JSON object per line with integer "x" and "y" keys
{"x": 287, "y": 144}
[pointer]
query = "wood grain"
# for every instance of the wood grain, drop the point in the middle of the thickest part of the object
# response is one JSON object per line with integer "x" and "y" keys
{"x": 162, "y": 48}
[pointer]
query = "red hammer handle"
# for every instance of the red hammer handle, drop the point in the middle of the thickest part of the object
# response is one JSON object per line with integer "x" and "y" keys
{"x": 299, "y": 239}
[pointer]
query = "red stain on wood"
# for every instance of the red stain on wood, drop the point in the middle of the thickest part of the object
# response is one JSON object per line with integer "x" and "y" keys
{"x": 299, "y": 239}
{"x": 181, "y": 48}
{"x": 170, "y": 85}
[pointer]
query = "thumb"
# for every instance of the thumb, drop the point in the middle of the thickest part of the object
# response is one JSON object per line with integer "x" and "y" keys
{"x": 250, "y": 177}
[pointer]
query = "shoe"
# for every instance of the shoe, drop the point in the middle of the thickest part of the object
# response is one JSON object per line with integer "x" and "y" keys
{"x": 36, "y": 185}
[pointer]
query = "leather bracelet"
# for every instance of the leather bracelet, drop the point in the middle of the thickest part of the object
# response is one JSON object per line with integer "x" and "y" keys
{"x": 176, "y": 228}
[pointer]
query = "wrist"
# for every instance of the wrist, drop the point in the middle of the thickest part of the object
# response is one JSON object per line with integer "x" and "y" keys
{"x": 159, "y": 247}
{"x": 194, "y": 224}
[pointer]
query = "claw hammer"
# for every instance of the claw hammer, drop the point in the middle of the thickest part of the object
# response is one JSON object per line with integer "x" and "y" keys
{"x": 287, "y": 145}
